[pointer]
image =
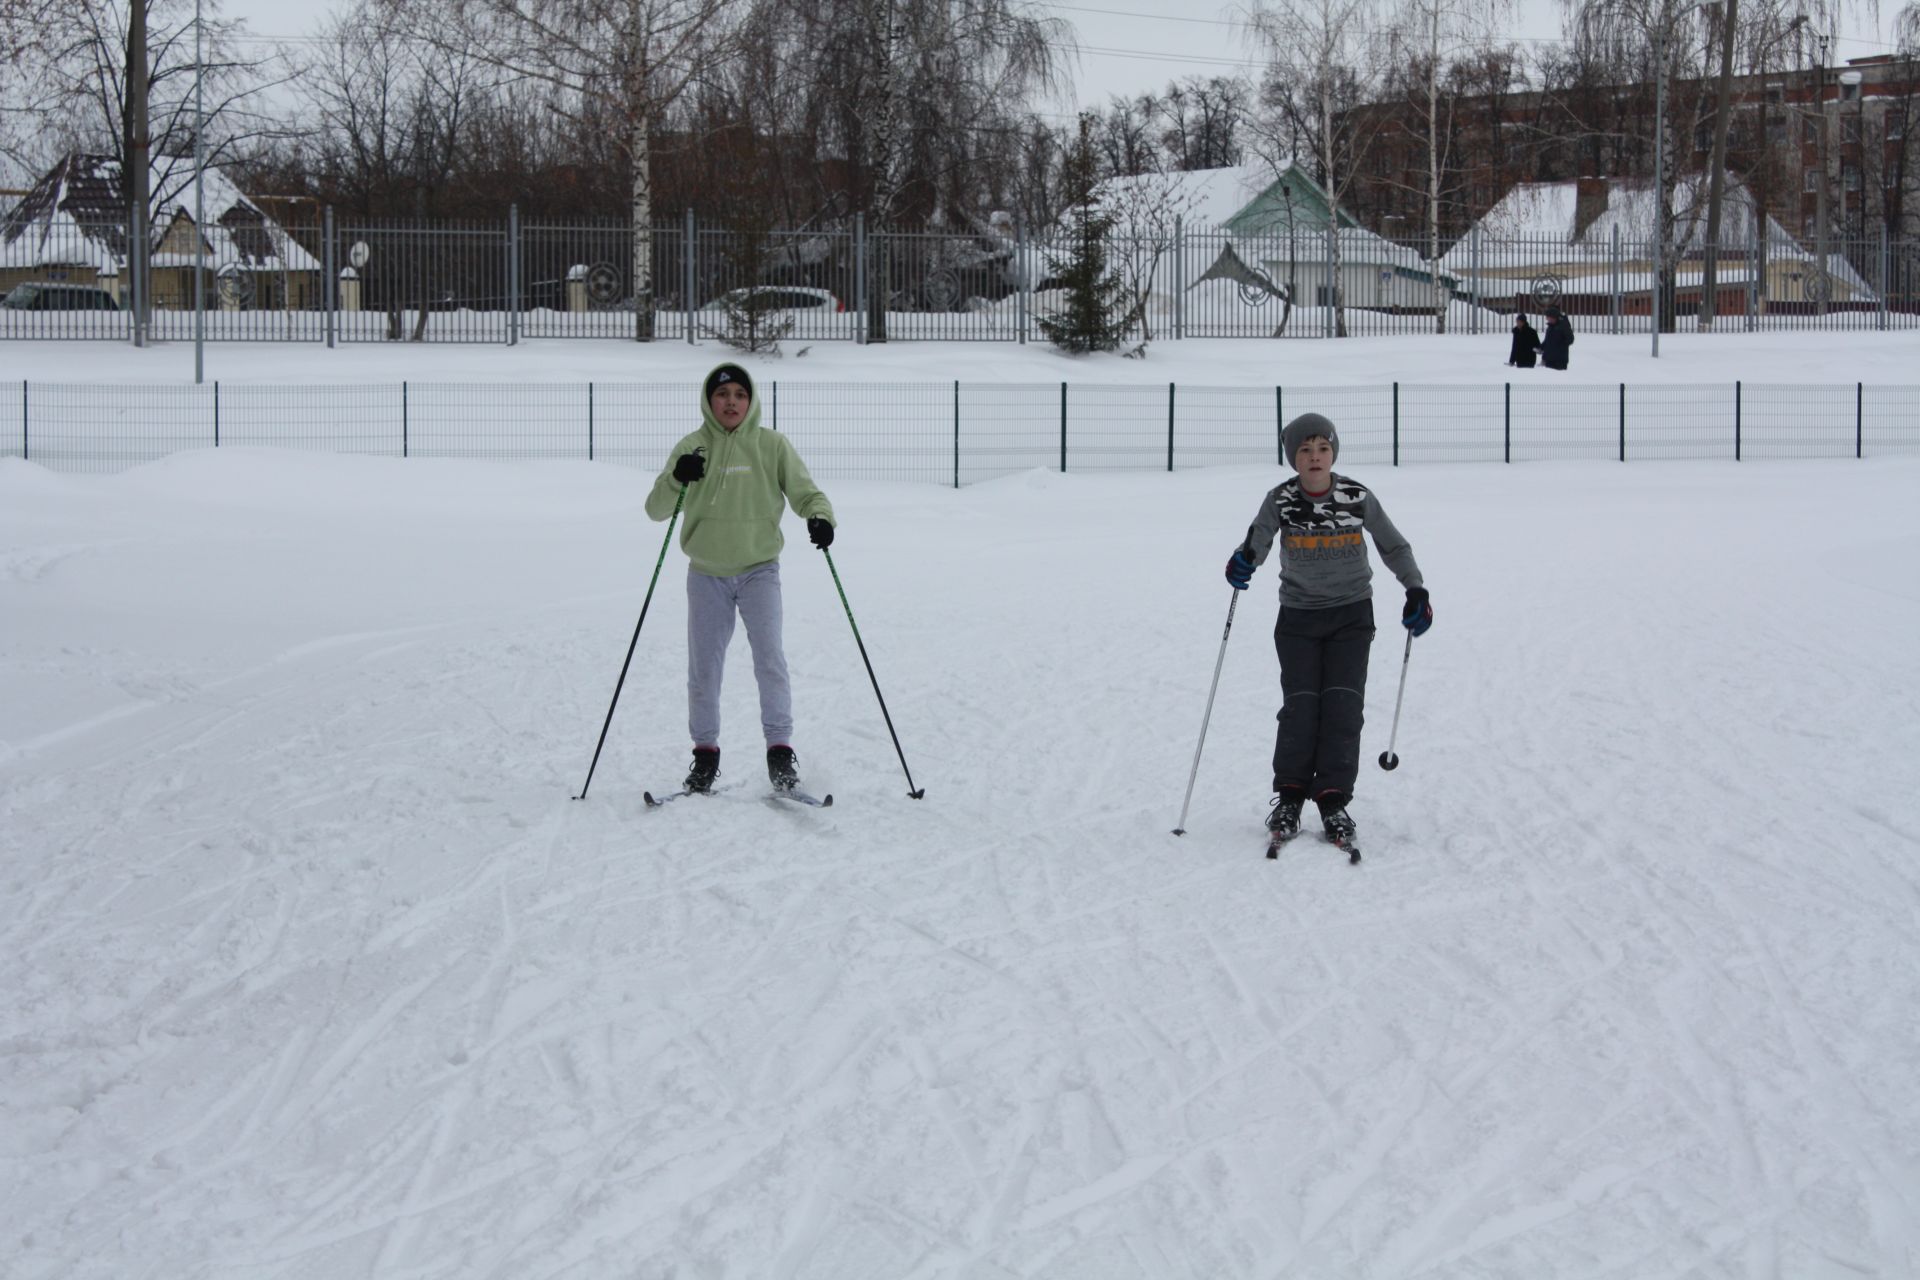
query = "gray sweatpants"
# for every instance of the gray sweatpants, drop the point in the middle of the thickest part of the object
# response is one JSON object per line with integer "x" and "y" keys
{"x": 711, "y": 605}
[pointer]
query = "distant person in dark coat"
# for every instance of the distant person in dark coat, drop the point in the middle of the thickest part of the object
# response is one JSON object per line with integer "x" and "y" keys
{"x": 1526, "y": 341}
{"x": 1553, "y": 347}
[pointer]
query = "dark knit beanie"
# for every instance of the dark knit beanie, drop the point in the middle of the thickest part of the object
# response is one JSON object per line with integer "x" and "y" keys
{"x": 728, "y": 373}
{"x": 1304, "y": 428}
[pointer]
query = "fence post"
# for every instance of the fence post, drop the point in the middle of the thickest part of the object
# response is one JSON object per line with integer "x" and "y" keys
{"x": 1736, "y": 420}
{"x": 1396, "y": 424}
{"x": 329, "y": 276}
{"x": 216, "y": 414}
{"x": 1614, "y": 302}
{"x": 776, "y": 406}
{"x": 589, "y": 422}
{"x": 26, "y": 446}
{"x": 1280, "y": 425}
{"x": 1023, "y": 279}
{"x": 1063, "y": 428}
{"x": 404, "y": 444}
{"x": 1859, "y": 419}
{"x": 859, "y": 278}
{"x": 1883, "y": 275}
{"x": 1326, "y": 277}
{"x": 1506, "y": 430}
{"x": 956, "y": 433}
{"x": 1170, "y": 426}
{"x": 1623, "y": 414}
{"x": 1179, "y": 286}
{"x": 691, "y": 251}
{"x": 513, "y": 275}
{"x": 1475, "y": 256}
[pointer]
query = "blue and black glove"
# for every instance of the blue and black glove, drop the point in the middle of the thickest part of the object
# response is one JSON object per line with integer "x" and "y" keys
{"x": 1419, "y": 614}
{"x": 820, "y": 532}
{"x": 1240, "y": 570}
{"x": 689, "y": 468}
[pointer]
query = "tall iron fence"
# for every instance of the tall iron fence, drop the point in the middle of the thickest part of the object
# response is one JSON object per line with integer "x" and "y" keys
{"x": 355, "y": 281}
{"x": 959, "y": 433}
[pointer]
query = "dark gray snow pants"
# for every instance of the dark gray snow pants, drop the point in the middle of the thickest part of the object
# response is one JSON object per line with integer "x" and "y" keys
{"x": 1323, "y": 684}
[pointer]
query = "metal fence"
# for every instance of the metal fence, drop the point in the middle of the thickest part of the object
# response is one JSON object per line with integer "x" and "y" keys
{"x": 340, "y": 281}
{"x": 960, "y": 433}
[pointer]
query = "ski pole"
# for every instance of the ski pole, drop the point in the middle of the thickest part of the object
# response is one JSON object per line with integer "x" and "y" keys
{"x": 1201, "y": 745}
{"x": 632, "y": 644}
{"x": 870, "y": 676}
{"x": 1388, "y": 760}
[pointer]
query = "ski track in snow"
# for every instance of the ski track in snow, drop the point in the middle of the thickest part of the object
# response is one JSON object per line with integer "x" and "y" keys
{"x": 312, "y": 966}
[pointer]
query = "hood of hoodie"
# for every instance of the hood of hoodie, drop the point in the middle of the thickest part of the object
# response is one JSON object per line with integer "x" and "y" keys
{"x": 720, "y": 449}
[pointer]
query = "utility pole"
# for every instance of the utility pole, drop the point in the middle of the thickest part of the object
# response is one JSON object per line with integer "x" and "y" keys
{"x": 136, "y": 143}
{"x": 199, "y": 199}
{"x": 1656, "y": 296}
{"x": 1820, "y": 194}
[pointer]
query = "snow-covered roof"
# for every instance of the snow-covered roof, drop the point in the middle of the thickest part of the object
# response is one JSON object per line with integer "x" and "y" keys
{"x": 1214, "y": 205}
{"x": 1538, "y": 223}
{"x": 1207, "y": 198}
{"x": 75, "y": 215}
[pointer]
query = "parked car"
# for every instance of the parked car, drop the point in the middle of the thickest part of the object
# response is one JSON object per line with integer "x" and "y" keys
{"x": 777, "y": 297}
{"x": 38, "y": 296}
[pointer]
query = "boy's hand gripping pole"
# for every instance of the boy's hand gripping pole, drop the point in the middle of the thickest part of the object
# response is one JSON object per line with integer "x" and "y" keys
{"x": 1201, "y": 745}
{"x": 631, "y": 644}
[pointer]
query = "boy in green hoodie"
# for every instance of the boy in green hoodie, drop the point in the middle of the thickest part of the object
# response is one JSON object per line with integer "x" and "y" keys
{"x": 738, "y": 476}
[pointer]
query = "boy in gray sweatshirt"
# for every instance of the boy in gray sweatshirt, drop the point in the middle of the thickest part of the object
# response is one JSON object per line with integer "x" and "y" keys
{"x": 1325, "y": 628}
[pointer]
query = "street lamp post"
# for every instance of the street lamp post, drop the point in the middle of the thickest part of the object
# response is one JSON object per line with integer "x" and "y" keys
{"x": 1853, "y": 82}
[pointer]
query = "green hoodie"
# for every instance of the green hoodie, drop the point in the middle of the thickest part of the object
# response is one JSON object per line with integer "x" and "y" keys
{"x": 732, "y": 513}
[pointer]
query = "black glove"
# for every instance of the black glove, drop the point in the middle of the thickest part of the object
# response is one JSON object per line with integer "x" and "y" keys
{"x": 820, "y": 531}
{"x": 689, "y": 468}
{"x": 1240, "y": 570}
{"x": 1418, "y": 615}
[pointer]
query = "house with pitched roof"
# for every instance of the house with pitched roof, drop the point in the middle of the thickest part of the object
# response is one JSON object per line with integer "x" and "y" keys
{"x": 72, "y": 227}
{"x": 1266, "y": 229}
{"x": 1556, "y": 242}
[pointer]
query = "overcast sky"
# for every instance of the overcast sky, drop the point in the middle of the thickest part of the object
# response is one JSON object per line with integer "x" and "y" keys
{"x": 1126, "y": 46}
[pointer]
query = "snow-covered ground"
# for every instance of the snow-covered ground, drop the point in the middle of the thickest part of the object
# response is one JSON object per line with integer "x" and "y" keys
{"x": 1829, "y": 356}
{"x": 310, "y": 966}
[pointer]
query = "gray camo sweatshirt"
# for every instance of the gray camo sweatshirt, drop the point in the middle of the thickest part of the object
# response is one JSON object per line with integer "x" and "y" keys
{"x": 1323, "y": 555}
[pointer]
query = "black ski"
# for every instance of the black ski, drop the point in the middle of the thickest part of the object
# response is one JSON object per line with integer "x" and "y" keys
{"x": 1275, "y": 843}
{"x": 656, "y": 802}
{"x": 1346, "y": 845}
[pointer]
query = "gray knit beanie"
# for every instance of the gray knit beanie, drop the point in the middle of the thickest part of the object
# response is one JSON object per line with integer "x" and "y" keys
{"x": 1304, "y": 428}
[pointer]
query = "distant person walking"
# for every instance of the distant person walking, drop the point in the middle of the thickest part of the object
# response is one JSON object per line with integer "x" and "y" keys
{"x": 1553, "y": 348}
{"x": 1526, "y": 341}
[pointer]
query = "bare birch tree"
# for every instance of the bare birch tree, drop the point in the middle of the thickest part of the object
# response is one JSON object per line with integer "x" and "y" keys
{"x": 1435, "y": 36}
{"x": 622, "y": 61}
{"x": 1324, "y": 58}
{"x": 389, "y": 115}
{"x": 1202, "y": 119}
{"x": 74, "y": 87}
{"x": 912, "y": 71}
{"x": 1147, "y": 216}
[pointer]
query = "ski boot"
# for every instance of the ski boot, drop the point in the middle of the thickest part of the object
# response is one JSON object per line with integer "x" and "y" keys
{"x": 706, "y": 767}
{"x": 780, "y": 769}
{"x": 1283, "y": 820}
{"x": 1338, "y": 824}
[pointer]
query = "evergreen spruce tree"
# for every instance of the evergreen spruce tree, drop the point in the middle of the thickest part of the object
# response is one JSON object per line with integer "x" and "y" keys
{"x": 1090, "y": 321}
